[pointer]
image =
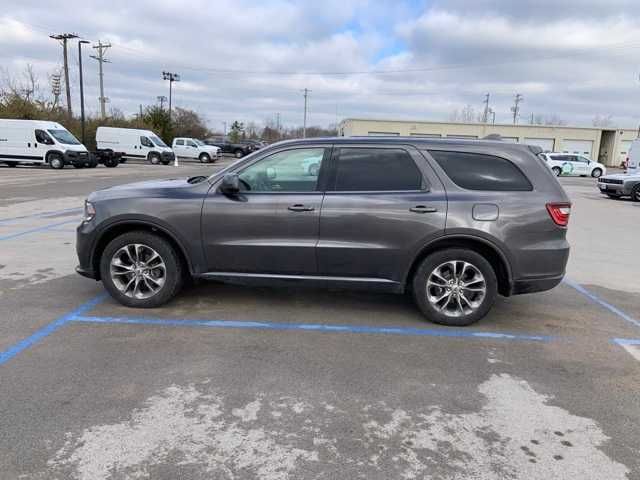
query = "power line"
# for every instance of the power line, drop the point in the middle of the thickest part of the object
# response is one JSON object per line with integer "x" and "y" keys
{"x": 63, "y": 38}
{"x": 101, "y": 48}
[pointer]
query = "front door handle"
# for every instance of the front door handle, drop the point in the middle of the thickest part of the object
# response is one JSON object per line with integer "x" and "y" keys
{"x": 423, "y": 209}
{"x": 298, "y": 207}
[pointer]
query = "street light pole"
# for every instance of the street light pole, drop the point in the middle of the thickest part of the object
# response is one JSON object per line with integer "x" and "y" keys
{"x": 172, "y": 77}
{"x": 81, "y": 89}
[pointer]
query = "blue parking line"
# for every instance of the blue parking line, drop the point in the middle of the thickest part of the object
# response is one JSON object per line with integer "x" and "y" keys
{"x": 626, "y": 341}
{"x": 47, "y": 330}
{"x": 38, "y": 229}
{"x": 42, "y": 215}
{"x": 593, "y": 297}
{"x": 314, "y": 327}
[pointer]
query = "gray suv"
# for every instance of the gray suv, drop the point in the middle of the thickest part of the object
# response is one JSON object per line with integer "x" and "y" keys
{"x": 454, "y": 222}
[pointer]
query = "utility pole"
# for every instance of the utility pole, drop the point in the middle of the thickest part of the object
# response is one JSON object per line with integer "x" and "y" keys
{"x": 485, "y": 116}
{"x": 161, "y": 99}
{"x": 516, "y": 107}
{"x": 63, "y": 38}
{"x": 101, "y": 48}
{"x": 304, "y": 124}
{"x": 81, "y": 88}
{"x": 278, "y": 123}
{"x": 172, "y": 77}
{"x": 493, "y": 115}
{"x": 224, "y": 131}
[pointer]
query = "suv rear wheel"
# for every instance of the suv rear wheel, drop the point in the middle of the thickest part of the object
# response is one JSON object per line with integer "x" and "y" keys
{"x": 455, "y": 287}
{"x": 141, "y": 270}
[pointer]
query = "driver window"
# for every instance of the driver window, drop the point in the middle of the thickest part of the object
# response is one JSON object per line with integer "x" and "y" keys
{"x": 190, "y": 143}
{"x": 146, "y": 142}
{"x": 42, "y": 137}
{"x": 289, "y": 171}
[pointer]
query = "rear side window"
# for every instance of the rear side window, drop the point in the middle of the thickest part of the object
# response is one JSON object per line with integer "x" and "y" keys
{"x": 475, "y": 171}
{"x": 376, "y": 169}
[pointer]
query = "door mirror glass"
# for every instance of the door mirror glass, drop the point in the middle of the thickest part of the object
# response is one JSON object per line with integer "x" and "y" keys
{"x": 230, "y": 183}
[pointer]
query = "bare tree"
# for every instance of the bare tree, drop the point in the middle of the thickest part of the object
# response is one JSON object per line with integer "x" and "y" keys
{"x": 603, "y": 120}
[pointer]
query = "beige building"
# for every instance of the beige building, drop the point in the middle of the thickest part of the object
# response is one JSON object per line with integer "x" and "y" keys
{"x": 607, "y": 145}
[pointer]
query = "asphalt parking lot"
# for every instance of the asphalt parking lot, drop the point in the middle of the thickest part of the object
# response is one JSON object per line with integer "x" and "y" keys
{"x": 229, "y": 382}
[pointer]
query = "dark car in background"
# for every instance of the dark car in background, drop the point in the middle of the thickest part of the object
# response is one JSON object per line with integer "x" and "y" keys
{"x": 454, "y": 222}
{"x": 237, "y": 149}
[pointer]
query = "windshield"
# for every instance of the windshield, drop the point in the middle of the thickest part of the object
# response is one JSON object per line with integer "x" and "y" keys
{"x": 200, "y": 143}
{"x": 158, "y": 142}
{"x": 64, "y": 137}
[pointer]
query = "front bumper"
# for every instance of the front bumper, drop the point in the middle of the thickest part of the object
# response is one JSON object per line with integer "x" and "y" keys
{"x": 167, "y": 156}
{"x": 85, "y": 239}
{"x": 72, "y": 157}
{"x": 612, "y": 189}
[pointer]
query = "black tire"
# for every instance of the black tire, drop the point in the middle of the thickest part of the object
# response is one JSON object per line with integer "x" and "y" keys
{"x": 12, "y": 164}
{"x": 557, "y": 171}
{"x": 56, "y": 161}
{"x": 204, "y": 158}
{"x": 154, "y": 159}
{"x": 78, "y": 165}
{"x": 432, "y": 263}
{"x": 635, "y": 193}
{"x": 111, "y": 162}
{"x": 92, "y": 164}
{"x": 166, "y": 162}
{"x": 174, "y": 271}
{"x": 596, "y": 173}
{"x": 238, "y": 153}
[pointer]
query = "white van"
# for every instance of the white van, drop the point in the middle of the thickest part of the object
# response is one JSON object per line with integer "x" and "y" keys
{"x": 37, "y": 141}
{"x": 186, "y": 147}
{"x": 134, "y": 143}
{"x": 633, "y": 160}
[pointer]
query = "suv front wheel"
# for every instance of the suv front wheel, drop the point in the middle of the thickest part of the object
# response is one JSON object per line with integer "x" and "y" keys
{"x": 455, "y": 287}
{"x": 141, "y": 270}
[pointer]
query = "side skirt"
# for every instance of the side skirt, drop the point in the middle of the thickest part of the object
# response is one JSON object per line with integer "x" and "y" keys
{"x": 314, "y": 281}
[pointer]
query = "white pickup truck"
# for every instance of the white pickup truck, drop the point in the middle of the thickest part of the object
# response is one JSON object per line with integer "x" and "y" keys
{"x": 185, "y": 147}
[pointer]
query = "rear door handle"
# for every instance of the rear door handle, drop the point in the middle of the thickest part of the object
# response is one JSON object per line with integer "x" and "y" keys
{"x": 423, "y": 209}
{"x": 298, "y": 207}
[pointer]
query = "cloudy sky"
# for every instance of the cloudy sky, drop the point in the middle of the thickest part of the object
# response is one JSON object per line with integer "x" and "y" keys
{"x": 406, "y": 59}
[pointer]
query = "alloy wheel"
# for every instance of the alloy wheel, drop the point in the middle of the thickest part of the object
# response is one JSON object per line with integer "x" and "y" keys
{"x": 456, "y": 288}
{"x": 138, "y": 271}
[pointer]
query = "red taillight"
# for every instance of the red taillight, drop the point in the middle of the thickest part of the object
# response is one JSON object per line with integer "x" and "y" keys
{"x": 559, "y": 213}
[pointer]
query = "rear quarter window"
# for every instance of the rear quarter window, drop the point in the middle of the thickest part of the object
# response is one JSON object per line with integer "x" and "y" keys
{"x": 477, "y": 171}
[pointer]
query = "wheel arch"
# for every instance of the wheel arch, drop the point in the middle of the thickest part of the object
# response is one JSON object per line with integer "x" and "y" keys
{"x": 487, "y": 249}
{"x": 47, "y": 155}
{"x": 116, "y": 229}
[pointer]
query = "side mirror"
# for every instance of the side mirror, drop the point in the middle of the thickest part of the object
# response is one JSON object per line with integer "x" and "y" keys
{"x": 230, "y": 183}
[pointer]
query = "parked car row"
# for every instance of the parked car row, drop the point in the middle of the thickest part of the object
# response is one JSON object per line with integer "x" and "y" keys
{"x": 42, "y": 142}
{"x": 573, "y": 164}
{"x": 626, "y": 184}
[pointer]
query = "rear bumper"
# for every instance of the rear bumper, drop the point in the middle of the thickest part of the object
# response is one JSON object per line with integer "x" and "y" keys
{"x": 532, "y": 285}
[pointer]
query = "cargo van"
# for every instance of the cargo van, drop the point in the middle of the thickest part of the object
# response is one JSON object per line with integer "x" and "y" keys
{"x": 134, "y": 143}
{"x": 633, "y": 160}
{"x": 40, "y": 142}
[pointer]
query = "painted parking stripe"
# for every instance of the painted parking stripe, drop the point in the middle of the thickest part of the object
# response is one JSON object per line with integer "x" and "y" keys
{"x": 35, "y": 230}
{"x": 47, "y": 330}
{"x": 602, "y": 303}
{"x": 631, "y": 345}
{"x": 42, "y": 215}
{"x": 314, "y": 327}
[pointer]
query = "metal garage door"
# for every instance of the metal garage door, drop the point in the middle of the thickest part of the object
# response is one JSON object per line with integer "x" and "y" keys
{"x": 582, "y": 147}
{"x": 546, "y": 144}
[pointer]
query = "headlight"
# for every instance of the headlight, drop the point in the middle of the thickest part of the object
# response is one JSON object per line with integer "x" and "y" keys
{"x": 89, "y": 211}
